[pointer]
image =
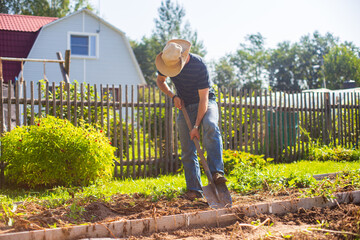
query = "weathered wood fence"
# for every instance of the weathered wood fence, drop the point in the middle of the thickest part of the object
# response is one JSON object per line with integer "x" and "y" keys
{"x": 140, "y": 120}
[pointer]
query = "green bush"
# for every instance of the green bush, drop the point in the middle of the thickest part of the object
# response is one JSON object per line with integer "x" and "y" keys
{"x": 235, "y": 160}
{"x": 246, "y": 168}
{"x": 54, "y": 152}
{"x": 328, "y": 153}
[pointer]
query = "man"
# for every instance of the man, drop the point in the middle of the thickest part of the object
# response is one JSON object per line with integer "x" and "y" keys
{"x": 193, "y": 88}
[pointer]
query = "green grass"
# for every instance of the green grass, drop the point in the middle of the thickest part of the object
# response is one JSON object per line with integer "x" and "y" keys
{"x": 310, "y": 168}
{"x": 168, "y": 186}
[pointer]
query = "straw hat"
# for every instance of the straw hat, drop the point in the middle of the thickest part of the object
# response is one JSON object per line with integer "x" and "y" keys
{"x": 172, "y": 59}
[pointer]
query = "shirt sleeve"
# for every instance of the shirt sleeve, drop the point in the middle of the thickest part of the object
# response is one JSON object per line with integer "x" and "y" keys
{"x": 203, "y": 78}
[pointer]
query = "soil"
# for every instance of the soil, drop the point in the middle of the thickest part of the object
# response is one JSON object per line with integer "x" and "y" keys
{"x": 325, "y": 223}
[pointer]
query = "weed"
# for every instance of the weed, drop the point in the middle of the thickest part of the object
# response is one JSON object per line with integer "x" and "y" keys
{"x": 9, "y": 213}
{"x": 76, "y": 211}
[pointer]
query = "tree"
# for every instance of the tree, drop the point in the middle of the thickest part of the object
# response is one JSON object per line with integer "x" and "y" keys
{"x": 49, "y": 8}
{"x": 168, "y": 25}
{"x": 310, "y": 54}
{"x": 341, "y": 64}
{"x": 224, "y": 73}
{"x": 145, "y": 52}
{"x": 283, "y": 74}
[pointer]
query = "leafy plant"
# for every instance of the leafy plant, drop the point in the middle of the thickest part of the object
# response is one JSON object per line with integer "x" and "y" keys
{"x": 235, "y": 160}
{"x": 76, "y": 211}
{"x": 338, "y": 153}
{"x": 54, "y": 152}
{"x": 246, "y": 168}
{"x": 8, "y": 214}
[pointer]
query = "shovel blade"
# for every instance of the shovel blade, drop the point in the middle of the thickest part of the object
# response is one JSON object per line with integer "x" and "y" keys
{"x": 224, "y": 196}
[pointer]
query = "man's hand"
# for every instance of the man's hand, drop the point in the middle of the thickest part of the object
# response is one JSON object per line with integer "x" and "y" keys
{"x": 194, "y": 133}
{"x": 178, "y": 102}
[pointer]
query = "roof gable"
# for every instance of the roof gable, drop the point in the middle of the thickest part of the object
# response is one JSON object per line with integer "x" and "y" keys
{"x": 23, "y": 23}
{"x": 90, "y": 13}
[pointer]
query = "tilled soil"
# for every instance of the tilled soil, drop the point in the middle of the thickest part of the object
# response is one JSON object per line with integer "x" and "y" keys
{"x": 340, "y": 222}
{"x": 34, "y": 216}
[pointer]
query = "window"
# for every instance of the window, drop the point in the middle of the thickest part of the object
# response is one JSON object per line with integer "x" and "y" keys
{"x": 83, "y": 45}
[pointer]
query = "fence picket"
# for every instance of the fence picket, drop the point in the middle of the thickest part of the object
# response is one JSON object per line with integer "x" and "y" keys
{"x": 127, "y": 131}
{"x": 246, "y": 121}
{"x": 256, "y": 145}
{"x": 240, "y": 120}
{"x": 132, "y": 129}
{"x": 17, "y": 107}
{"x": 121, "y": 134}
{"x": 267, "y": 135}
{"x": 32, "y": 103}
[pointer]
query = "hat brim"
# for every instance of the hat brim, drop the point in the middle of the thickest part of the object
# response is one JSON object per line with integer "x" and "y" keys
{"x": 174, "y": 70}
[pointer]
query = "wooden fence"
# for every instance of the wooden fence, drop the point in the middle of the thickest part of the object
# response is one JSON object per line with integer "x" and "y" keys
{"x": 140, "y": 120}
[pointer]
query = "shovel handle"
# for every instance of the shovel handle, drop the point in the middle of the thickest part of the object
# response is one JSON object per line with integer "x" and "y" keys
{"x": 198, "y": 148}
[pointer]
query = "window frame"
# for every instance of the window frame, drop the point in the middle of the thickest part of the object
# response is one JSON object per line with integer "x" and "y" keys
{"x": 89, "y": 35}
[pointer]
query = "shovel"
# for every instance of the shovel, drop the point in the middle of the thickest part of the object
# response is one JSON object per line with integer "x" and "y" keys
{"x": 217, "y": 195}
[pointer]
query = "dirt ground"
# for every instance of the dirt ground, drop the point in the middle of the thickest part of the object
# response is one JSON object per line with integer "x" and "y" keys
{"x": 324, "y": 223}
{"x": 341, "y": 222}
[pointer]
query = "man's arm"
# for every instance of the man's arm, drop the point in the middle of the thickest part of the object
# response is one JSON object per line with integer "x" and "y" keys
{"x": 203, "y": 105}
{"x": 161, "y": 83}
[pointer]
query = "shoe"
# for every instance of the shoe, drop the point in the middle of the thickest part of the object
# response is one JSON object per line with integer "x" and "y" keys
{"x": 192, "y": 195}
{"x": 219, "y": 178}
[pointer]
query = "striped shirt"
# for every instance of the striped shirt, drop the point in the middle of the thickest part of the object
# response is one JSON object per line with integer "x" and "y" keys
{"x": 193, "y": 77}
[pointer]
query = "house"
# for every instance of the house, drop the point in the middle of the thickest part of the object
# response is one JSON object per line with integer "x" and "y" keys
{"x": 100, "y": 52}
{"x": 17, "y": 36}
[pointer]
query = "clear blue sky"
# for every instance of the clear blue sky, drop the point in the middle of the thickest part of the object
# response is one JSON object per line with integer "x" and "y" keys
{"x": 223, "y": 24}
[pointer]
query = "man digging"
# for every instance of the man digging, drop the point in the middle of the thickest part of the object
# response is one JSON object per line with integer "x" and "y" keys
{"x": 194, "y": 89}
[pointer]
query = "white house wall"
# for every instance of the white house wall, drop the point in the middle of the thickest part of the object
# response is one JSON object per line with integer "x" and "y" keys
{"x": 114, "y": 64}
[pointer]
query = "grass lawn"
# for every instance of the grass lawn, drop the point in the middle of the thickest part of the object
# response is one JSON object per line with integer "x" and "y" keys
{"x": 311, "y": 168}
{"x": 168, "y": 186}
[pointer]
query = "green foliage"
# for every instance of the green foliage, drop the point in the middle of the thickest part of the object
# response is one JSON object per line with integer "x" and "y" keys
{"x": 224, "y": 73}
{"x": 282, "y": 67}
{"x": 328, "y": 153}
{"x": 54, "y": 152}
{"x": 168, "y": 25}
{"x": 49, "y": 8}
{"x": 76, "y": 211}
{"x": 341, "y": 64}
{"x": 245, "y": 168}
{"x": 246, "y": 67}
{"x": 235, "y": 161}
{"x": 88, "y": 114}
{"x": 289, "y": 66}
{"x": 348, "y": 180}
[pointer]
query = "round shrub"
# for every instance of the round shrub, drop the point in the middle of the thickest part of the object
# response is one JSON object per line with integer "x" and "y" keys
{"x": 53, "y": 152}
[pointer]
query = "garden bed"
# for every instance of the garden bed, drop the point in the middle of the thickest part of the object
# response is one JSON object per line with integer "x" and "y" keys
{"x": 333, "y": 221}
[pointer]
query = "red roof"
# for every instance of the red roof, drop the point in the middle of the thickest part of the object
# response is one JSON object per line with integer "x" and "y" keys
{"x": 17, "y": 35}
{"x": 23, "y": 23}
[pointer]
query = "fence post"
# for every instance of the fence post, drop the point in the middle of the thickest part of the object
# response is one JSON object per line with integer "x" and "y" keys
{"x": 327, "y": 118}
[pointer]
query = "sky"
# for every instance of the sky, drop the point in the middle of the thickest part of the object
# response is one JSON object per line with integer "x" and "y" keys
{"x": 223, "y": 24}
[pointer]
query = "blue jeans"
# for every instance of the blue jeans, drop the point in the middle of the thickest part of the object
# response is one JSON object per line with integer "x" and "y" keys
{"x": 212, "y": 142}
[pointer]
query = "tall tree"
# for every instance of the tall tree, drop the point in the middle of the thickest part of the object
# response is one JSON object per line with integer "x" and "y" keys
{"x": 250, "y": 61}
{"x": 341, "y": 64}
{"x": 145, "y": 52}
{"x": 282, "y": 66}
{"x": 168, "y": 25}
{"x": 224, "y": 73}
{"x": 311, "y": 52}
{"x": 49, "y": 8}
